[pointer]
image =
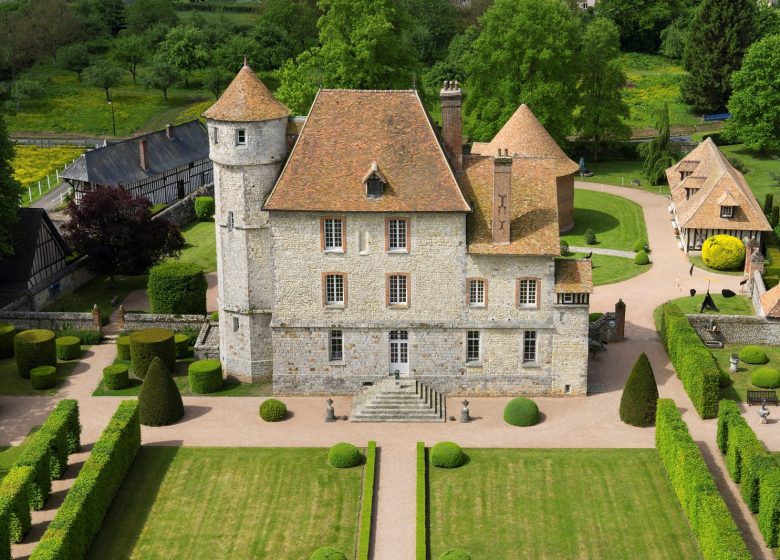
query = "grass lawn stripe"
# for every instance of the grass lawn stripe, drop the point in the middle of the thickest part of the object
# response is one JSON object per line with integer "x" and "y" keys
{"x": 616, "y": 221}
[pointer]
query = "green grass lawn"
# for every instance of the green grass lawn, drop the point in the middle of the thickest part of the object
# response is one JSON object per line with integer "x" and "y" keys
{"x": 200, "y": 245}
{"x": 737, "y": 391}
{"x": 698, "y": 262}
{"x": 11, "y": 383}
{"x": 758, "y": 168}
{"x": 605, "y": 504}
{"x": 617, "y": 221}
{"x": 610, "y": 270}
{"x": 737, "y": 305}
{"x": 620, "y": 174}
{"x": 99, "y": 291}
{"x": 209, "y": 503}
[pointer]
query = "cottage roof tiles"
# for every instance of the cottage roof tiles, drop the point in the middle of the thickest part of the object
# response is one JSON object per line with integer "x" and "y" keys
{"x": 770, "y": 302}
{"x": 573, "y": 276}
{"x": 246, "y": 99}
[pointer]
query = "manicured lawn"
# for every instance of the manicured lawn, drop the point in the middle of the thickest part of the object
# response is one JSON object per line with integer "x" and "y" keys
{"x": 200, "y": 245}
{"x": 209, "y": 503}
{"x": 737, "y": 305}
{"x": 11, "y": 383}
{"x": 620, "y": 174}
{"x": 737, "y": 391}
{"x": 511, "y": 504}
{"x": 610, "y": 270}
{"x": 616, "y": 221}
{"x": 698, "y": 262}
{"x": 99, "y": 291}
{"x": 758, "y": 168}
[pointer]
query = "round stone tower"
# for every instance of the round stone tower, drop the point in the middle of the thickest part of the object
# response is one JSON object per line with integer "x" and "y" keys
{"x": 247, "y": 130}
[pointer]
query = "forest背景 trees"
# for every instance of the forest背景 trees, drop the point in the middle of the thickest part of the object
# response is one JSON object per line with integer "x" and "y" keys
{"x": 185, "y": 49}
{"x": 130, "y": 51}
{"x": 143, "y": 15}
{"x": 216, "y": 80}
{"x": 640, "y": 22}
{"x": 658, "y": 152}
{"x": 10, "y": 190}
{"x": 55, "y": 25}
{"x": 162, "y": 76}
{"x": 103, "y": 74}
{"x": 75, "y": 58}
{"x": 434, "y": 24}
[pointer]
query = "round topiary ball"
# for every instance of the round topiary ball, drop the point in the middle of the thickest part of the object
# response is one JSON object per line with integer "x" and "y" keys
{"x": 123, "y": 348}
{"x": 455, "y": 554}
{"x": 33, "y": 348}
{"x": 765, "y": 377}
{"x": 68, "y": 347}
{"x": 753, "y": 355}
{"x": 521, "y": 412}
{"x": 447, "y": 455}
{"x": 148, "y": 344}
{"x": 723, "y": 252}
{"x": 273, "y": 410}
{"x": 182, "y": 343}
{"x": 7, "y": 333}
{"x": 204, "y": 207}
{"x": 344, "y": 456}
{"x": 641, "y": 258}
{"x": 205, "y": 376}
{"x": 43, "y": 377}
{"x": 177, "y": 287}
{"x": 116, "y": 377}
{"x": 328, "y": 553}
{"x": 640, "y": 245}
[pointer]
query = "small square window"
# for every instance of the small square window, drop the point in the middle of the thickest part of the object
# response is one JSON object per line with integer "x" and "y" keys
{"x": 726, "y": 211}
{"x": 568, "y": 298}
{"x": 336, "y": 346}
{"x": 241, "y": 137}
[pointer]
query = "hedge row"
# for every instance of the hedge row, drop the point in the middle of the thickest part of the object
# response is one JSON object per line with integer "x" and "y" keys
{"x": 422, "y": 499}
{"x": 177, "y": 287}
{"x": 693, "y": 361}
{"x": 7, "y": 333}
{"x": 367, "y": 505}
{"x": 80, "y": 516}
{"x": 14, "y": 508}
{"x": 707, "y": 514}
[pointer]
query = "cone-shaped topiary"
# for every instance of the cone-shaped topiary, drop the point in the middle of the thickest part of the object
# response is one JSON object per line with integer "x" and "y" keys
{"x": 753, "y": 355}
{"x": 640, "y": 395}
{"x": 34, "y": 348}
{"x": 765, "y": 377}
{"x": 344, "y": 456}
{"x": 723, "y": 252}
{"x": 123, "y": 348}
{"x": 43, "y": 377}
{"x": 205, "y": 376}
{"x": 148, "y": 344}
{"x": 68, "y": 347}
{"x": 7, "y": 333}
{"x": 521, "y": 412}
{"x": 159, "y": 402}
{"x": 273, "y": 410}
{"x": 447, "y": 455}
{"x": 641, "y": 258}
{"x": 328, "y": 553}
{"x": 116, "y": 377}
{"x": 455, "y": 554}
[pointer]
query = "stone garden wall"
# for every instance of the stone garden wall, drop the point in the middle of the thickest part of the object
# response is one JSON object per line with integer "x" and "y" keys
{"x": 48, "y": 320}
{"x": 183, "y": 212}
{"x": 738, "y": 329}
{"x": 207, "y": 343}
{"x": 66, "y": 281}
{"x": 140, "y": 321}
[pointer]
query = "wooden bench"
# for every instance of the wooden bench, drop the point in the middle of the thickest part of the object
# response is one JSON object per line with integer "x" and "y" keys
{"x": 755, "y": 397}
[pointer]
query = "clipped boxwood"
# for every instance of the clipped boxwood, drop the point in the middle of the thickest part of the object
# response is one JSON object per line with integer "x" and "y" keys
{"x": 182, "y": 343}
{"x": 521, "y": 412}
{"x": 7, "y": 333}
{"x": 595, "y": 316}
{"x": 15, "y": 503}
{"x": 447, "y": 455}
{"x": 148, "y": 344}
{"x": 344, "y": 456}
{"x": 641, "y": 258}
{"x": 204, "y": 207}
{"x": 68, "y": 348}
{"x": 205, "y": 376}
{"x": 116, "y": 377}
{"x": 753, "y": 355}
{"x": 159, "y": 402}
{"x": 33, "y": 348}
{"x": 723, "y": 252}
{"x": 43, "y": 377}
{"x": 328, "y": 553}
{"x": 641, "y": 245}
{"x": 637, "y": 403}
{"x": 273, "y": 410}
{"x": 455, "y": 554}
{"x": 725, "y": 379}
{"x": 178, "y": 288}
{"x": 765, "y": 377}
{"x": 123, "y": 348}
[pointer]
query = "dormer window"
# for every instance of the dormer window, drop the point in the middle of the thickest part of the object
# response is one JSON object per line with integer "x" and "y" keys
{"x": 726, "y": 211}
{"x": 374, "y": 182}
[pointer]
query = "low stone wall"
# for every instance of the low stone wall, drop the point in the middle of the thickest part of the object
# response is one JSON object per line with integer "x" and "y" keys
{"x": 48, "y": 320}
{"x": 738, "y": 329}
{"x": 207, "y": 343}
{"x": 183, "y": 211}
{"x": 757, "y": 288}
{"x": 140, "y": 321}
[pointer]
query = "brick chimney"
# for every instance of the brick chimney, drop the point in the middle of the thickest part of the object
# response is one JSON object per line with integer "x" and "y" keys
{"x": 502, "y": 190}
{"x": 451, "y": 122}
{"x": 142, "y": 153}
{"x": 169, "y": 131}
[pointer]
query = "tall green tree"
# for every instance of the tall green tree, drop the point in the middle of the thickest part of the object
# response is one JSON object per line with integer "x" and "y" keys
{"x": 296, "y": 20}
{"x": 435, "y": 23}
{"x": 602, "y": 109}
{"x": 10, "y": 190}
{"x": 525, "y": 53}
{"x": 75, "y": 58}
{"x": 755, "y": 103}
{"x": 719, "y": 36}
{"x": 143, "y": 15}
{"x": 130, "y": 51}
{"x": 105, "y": 75}
{"x": 658, "y": 152}
{"x": 162, "y": 76}
{"x": 185, "y": 49}
{"x": 641, "y": 21}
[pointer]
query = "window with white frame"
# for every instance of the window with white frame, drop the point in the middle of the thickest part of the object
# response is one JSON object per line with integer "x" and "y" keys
{"x": 336, "y": 346}
{"x": 529, "y": 347}
{"x": 472, "y": 346}
{"x": 240, "y": 137}
{"x": 526, "y": 293}
{"x": 568, "y": 298}
{"x": 397, "y": 231}
{"x": 333, "y": 231}
{"x": 397, "y": 290}
{"x": 477, "y": 293}
{"x": 334, "y": 289}
{"x": 726, "y": 211}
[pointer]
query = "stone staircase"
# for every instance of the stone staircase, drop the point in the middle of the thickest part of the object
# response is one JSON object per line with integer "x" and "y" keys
{"x": 406, "y": 400}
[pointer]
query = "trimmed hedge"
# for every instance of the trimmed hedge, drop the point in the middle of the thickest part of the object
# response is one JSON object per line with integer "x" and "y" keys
{"x": 728, "y": 411}
{"x": 148, "y": 344}
{"x": 694, "y": 363}
{"x": 328, "y": 553}
{"x": 367, "y": 502}
{"x": 723, "y": 252}
{"x": 159, "y": 401}
{"x": 7, "y": 333}
{"x": 43, "y": 377}
{"x": 116, "y": 377}
{"x": 641, "y": 245}
{"x": 640, "y": 395}
{"x": 641, "y": 258}
{"x": 344, "y": 456}
{"x": 447, "y": 455}
{"x": 205, "y": 376}
{"x": 80, "y": 516}
{"x": 421, "y": 546}
{"x": 766, "y": 377}
{"x": 34, "y": 348}
{"x": 273, "y": 410}
{"x": 37, "y": 455}
{"x": 177, "y": 287}
{"x": 15, "y": 507}
{"x": 182, "y": 343}
{"x": 521, "y": 412}
{"x": 86, "y": 336}
{"x": 68, "y": 347}
{"x": 123, "y": 348}
{"x": 753, "y": 355}
{"x": 769, "y": 507}
{"x": 204, "y": 207}
{"x": 62, "y": 431}
{"x": 707, "y": 514}
{"x": 455, "y": 554}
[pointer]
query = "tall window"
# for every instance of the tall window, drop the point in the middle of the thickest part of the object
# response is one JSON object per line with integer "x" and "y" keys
{"x": 529, "y": 347}
{"x": 477, "y": 297}
{"x": 335, "y": 289}
{"x": 240, "y": 137}
{"x": 333, "y": 234}
{"x": 472, "y": 346}
{"x": 397, "y": 289}
{"x": 397, "y": 235}
{"x": 336, "y": 346}
{"x": 526, "y": 293}
{"x": 230, "y": 221}
{"x": 215, "y": 135}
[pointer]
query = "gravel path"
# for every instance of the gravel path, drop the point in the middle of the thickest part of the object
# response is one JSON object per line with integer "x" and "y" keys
{"x": 597, "y": 251}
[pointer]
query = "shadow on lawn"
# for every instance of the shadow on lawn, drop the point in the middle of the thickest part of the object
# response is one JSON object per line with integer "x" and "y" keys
{"x": 599, "y": 222}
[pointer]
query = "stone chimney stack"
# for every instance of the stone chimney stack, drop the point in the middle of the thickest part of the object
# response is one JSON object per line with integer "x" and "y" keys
{"x": 451, "y": 122}
{"x": 142, "y": 153}
{"x": 169, "y": 131}
{"x": 502, "y": 191}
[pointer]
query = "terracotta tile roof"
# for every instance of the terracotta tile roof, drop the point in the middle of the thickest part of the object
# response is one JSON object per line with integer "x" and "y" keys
{"x": 246, "y": 99}
{"x": 524, "y": 136}
{"x": 573, "y": 276}
{"x": 770, "y": 302}
{"x": 349, "y": 130}
{"x": 718, "y": 182}
{"x": 534, "y": 207}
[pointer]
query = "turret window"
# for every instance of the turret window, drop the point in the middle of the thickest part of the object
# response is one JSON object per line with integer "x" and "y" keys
{"x": 215, "y": 135}
{"x": 241, "y": 137}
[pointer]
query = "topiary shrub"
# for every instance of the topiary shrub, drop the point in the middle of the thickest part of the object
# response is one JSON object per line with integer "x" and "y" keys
{"x": 725, "y": 379}
{"x": 123, "y": 348}
{"x": 641, "y": 258}
{"x": 214, "y": 317}
{"x": 447, "y": 455}
{"x": 565, "y": 251}
{"x": 7, "y": 333}
{"x": 641, "y": 245}
{"x": 344, "y": 456}
{"x": 723, "y": 252}
{"x": 86, "y": 336}
{"x": 159, "y": 402}
{"x": 328, "y": 553}
{"x": 590, "y": 237}
{"x": 753, "y": 355}
{"x": 68, "y": 348}
{"x": 455, "y": 554}
{"x": 273, "y": 410}
{"x": 34, "y": 348}
{"x": 148, "y": 344}
{"x": 116, "y": 377}
{"x": 204, "y": 207}
{"x": 521, "y": 412}
{"x": 182, "y": 343}
{"x": 178, "y": 288}
{"x": 592, "y": 317}
{"x": 640, "y": 395}
{"x": 205, "y": 376}
{"x": 43, "y": 377}
{"x": 765, "y": 377}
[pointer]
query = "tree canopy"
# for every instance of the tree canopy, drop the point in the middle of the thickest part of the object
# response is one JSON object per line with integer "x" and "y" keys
{"x": 641, "y": 21}
{"x": 10, "y": 190}
{"x": 103, "y": 74}
{"x": 658, "y": 152}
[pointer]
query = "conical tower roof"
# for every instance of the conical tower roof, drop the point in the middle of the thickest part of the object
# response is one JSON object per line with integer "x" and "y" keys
{"x": 246, "y": 99}
{"x": 524, "y": 136}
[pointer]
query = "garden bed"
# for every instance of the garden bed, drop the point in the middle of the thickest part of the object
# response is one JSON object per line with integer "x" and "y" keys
{"x": 741, "y": 384}
{"x": 12, "y": 384}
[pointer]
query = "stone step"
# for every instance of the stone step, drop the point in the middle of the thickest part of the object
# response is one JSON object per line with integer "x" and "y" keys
{"x": 387, "y": 401}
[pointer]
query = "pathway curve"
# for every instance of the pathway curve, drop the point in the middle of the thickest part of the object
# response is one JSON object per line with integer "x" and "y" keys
{"x": 608, "y": 252}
